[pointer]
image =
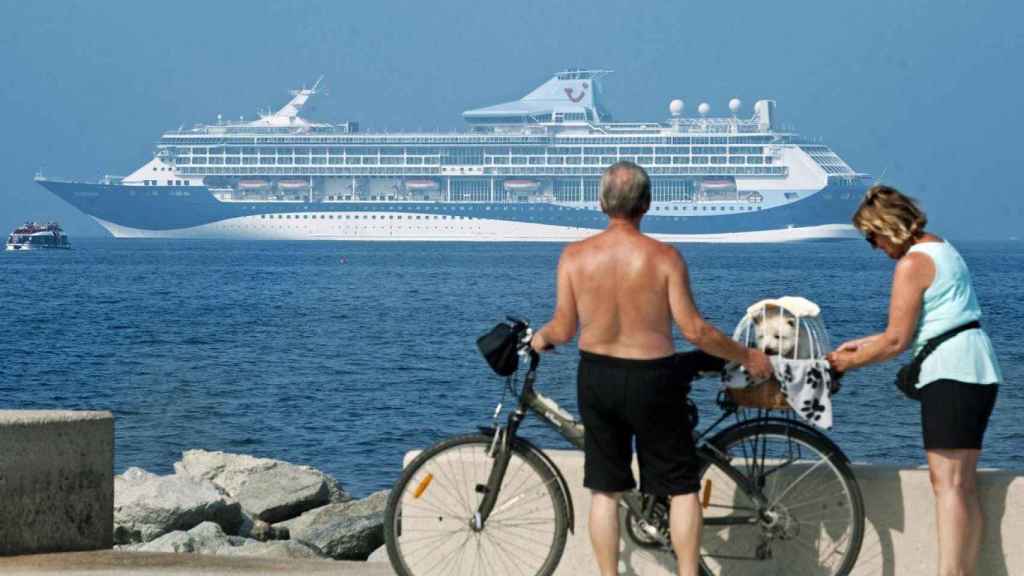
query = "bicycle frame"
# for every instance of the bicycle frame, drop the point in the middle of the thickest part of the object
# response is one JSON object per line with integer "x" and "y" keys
{"x": 505, "y": 438}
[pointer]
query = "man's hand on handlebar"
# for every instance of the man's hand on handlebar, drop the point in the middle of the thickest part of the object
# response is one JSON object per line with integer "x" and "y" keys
{"x": 539, "y": 343}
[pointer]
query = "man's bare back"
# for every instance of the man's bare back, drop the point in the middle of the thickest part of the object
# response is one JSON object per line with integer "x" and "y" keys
{"x": 620, "y": 282}
{"x": 623, "y": 290}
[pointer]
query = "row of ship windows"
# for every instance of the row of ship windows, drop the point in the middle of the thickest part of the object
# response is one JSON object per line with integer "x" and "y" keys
{"x": 468, "y": 160}
{"x": 485, "y": 151}
{"x": 499, "y": 171}
{"x": 363, "y": 217}
{"x": 469, "y": 139}
{"x": 169, "y": 183}
{"x": 446, "y": 217}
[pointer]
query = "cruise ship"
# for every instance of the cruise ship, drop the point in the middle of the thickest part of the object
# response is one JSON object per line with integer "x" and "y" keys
{"x": 526, "y": 170}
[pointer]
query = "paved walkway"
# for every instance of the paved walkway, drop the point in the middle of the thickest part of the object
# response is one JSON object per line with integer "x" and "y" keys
{"x": 154, "y": 564}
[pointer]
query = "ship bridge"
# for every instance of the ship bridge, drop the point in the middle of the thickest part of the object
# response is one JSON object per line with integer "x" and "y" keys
{"x": 569, "y": 97}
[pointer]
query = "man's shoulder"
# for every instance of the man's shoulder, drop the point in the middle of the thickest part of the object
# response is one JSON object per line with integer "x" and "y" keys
{"x": 573, "y": 249}
{"x": 663, "y": 250}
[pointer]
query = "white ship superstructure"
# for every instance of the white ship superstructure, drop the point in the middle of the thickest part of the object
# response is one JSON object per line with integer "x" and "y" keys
{"x": 523, "y": 170}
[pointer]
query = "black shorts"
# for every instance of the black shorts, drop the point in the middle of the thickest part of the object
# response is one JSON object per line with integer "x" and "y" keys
{"x": 954, "y": 414}
{"x": 620, "y": 399}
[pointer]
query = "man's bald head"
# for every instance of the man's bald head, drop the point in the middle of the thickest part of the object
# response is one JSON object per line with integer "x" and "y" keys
{"x": 625, "y": 191}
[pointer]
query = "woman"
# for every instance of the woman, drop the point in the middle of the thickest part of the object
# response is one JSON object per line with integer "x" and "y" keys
{"x": 958, "y": 383}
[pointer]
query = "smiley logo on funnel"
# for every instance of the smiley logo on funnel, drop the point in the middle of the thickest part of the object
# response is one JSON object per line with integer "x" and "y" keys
{"x": 570, "y": 93}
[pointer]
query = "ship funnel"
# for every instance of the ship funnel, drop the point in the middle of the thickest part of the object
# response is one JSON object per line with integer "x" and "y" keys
{"x": 569, "y": 96}
{"x": 764, "y": 115}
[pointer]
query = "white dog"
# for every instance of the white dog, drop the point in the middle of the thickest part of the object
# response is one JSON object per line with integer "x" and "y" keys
{"x": 777, "y": 333}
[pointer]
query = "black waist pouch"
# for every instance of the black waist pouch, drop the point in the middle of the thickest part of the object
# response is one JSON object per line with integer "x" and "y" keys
{"x": 910, "y": 373}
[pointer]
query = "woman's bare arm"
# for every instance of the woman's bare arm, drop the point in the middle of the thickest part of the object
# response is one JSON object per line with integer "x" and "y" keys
{"x": 853, "y": 345}
{"x": 913, "y": 275}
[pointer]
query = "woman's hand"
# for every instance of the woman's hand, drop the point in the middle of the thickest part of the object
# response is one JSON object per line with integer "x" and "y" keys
{"x": 841, "y": 360}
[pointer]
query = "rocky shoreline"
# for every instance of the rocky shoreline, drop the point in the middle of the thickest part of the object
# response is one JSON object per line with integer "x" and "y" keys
{"x": 240, "y": 505}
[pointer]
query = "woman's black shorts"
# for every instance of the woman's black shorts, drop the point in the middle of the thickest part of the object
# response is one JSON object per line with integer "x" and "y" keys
{"x": 954, "y": 414}
{"x": 620, "y": 399}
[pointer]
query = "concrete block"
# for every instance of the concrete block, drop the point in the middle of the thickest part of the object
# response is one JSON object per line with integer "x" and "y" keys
{"x": 899, "y": 538}
{"x": 56, "y": 481}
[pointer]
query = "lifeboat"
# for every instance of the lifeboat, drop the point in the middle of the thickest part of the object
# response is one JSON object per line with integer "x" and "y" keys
{"x": 252, "y": 184}
{"x": 521, "y": 185}
{"x": 718, "y": 185}
{"x": 421, "y": 185}
{"x": 292, "y": 184}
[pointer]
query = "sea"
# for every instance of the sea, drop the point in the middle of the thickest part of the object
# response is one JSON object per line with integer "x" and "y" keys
{"x": 344, "y": 356}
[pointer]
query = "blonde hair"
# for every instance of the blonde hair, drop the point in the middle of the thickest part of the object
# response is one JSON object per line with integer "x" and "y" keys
{"x": 888, "y": 212}
{"x": 625, "y": 190}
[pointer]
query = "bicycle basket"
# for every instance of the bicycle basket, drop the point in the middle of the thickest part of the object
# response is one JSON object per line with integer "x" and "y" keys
{"x": 766, "y": 396}
{"x": 498, "y": 347}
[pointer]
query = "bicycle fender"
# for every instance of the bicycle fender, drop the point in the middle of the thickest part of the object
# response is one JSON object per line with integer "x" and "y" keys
{"x": 563, "y": 485}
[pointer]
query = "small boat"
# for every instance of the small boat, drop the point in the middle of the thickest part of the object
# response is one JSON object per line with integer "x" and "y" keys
{"x": 293, "y": 184}
{"x": 521, "y": 185}
{"x": 252, "y": 184}
{"x": 33, "y": 236}
{"x": 424, "y": 184}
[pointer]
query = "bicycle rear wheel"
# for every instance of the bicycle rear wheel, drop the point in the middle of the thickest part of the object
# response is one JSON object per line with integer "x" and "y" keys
{"x": 428, "y": 519}
{"x": 810, "y": 519}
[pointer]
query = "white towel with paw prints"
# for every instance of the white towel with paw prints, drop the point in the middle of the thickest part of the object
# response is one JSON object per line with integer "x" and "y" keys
{"x": 806, "y": 384}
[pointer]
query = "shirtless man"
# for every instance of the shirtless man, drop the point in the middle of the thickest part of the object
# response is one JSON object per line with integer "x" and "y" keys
{"x": 624, "y": 289}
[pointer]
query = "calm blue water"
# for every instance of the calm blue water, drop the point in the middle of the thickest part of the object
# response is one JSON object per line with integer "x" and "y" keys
{"x": 279, "y": 349}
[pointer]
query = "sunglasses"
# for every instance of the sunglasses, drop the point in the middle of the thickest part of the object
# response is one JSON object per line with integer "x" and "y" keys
{"x": 870, "y": 238}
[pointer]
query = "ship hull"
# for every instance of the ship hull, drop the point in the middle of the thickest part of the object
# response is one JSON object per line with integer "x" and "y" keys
{"x": 193, "y": 212}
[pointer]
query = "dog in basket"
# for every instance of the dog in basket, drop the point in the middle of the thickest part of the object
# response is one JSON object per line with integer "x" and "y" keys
{"x": 777, "y": 332}
{"x": 791, "y": 332}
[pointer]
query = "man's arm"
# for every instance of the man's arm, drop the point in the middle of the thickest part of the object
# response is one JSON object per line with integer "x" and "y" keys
{"x": 697, "y": 330}
{"x": 562, "y": 326}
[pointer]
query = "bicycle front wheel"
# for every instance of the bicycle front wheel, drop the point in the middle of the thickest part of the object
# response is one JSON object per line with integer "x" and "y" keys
{"x": 428, "y": 522}
{"x": 794, "y": 509}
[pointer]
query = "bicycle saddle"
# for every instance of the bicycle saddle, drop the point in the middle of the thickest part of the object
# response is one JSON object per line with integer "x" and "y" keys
{"x": 696, "y": 363}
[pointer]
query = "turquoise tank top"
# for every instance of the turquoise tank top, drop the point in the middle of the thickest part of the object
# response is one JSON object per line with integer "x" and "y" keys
{"x": 948, "y": 303}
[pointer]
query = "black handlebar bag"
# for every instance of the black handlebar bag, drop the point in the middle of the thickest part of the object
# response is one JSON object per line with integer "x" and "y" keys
{"x": 498, "y": 347}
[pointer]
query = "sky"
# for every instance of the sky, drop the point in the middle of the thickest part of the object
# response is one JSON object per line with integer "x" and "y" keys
{"x": 927, "y": 93}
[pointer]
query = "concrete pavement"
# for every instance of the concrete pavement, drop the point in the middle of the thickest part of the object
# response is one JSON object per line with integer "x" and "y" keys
{"x": 160, "y": 564}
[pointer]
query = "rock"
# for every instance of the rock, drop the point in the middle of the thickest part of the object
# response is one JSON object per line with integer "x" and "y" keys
{"x": 275, "y": 549}
{"x": 259, "y": 530}
{"x": 343, "y": 531}
{"x": 147, "y": 505}
{"x": 379, "y": 555}
{"x": 269, "y": 490}
{"x": 208, "y": 538}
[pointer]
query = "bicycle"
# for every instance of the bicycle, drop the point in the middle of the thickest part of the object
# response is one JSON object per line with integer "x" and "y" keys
{"x": 778, "y": 496}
